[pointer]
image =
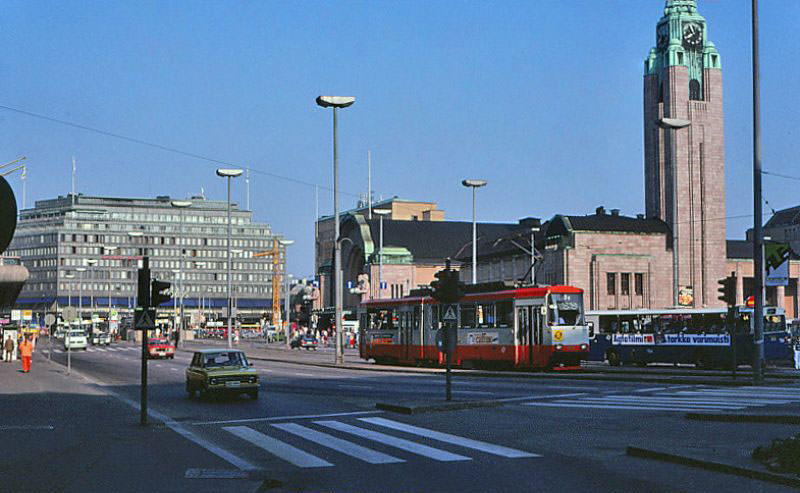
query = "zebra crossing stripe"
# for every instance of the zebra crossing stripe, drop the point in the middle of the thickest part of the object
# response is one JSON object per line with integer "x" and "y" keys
{"x": 699, "y": 405}
{"x": 343, "y": 446}
{"x": 448, "y": 438}
{"x": 601, "y": 406}
{"x": 690, "y": 400}
{"x": 408, "y": 446}
{"x": 277, "y": 447}
{"x": 734, "y": 395}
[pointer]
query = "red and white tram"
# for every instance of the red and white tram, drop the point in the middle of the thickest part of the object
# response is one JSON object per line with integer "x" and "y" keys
{"x": 528, "y": 327}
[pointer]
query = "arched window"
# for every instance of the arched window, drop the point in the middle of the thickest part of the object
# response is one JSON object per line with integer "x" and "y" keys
{"x": 694, "y": 90}
{"x": 661, "y": 92}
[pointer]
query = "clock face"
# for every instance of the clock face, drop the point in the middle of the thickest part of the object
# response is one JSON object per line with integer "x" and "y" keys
{"x": 692, "y": 35}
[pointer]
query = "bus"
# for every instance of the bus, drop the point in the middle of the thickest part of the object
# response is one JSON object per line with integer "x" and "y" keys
{"x": 701, "y": 336}
{"x": 498, "y": 325}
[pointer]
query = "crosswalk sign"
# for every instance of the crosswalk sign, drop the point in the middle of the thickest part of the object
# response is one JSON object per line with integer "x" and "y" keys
{"x": 144, "y": 319}
{"x": 450, "y": 314}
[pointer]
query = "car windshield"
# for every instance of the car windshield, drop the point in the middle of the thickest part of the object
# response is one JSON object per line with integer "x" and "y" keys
{"x": 232, "y": 358}
{"x": 566, "y": 309}
{"x": 76, "y": 333}
{"x": 158, "y": 341}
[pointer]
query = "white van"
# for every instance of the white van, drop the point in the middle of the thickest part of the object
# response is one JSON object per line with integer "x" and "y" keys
{"x": 75, "y": 339}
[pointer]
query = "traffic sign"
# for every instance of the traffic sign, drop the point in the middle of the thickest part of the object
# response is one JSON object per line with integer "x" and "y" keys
{"x": 144, "y": 319}
{"x": 450, "y": 314}
{"x": 49, "y": 319}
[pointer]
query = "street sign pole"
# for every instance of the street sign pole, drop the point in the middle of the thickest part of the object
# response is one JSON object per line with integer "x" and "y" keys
{"x": 144, "y": 303}
{"x": 448, "y": 395}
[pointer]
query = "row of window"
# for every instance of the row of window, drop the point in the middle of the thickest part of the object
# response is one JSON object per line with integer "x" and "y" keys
{"x": 118, "y": 289}
{"x": 151, "y": 228}
{"x": 624, "y": 283}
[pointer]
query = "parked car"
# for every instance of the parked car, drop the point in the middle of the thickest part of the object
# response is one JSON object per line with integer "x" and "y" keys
{"x": 304, "y": 342}
{"x": 160, "y": 348}
{"x": 221, "y": 371}
{"x": 101, "y": 339}
{"x": 75, "y": 339}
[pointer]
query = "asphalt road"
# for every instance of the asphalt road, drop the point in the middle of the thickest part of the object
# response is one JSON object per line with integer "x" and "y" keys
{"x": 317, "y": 429}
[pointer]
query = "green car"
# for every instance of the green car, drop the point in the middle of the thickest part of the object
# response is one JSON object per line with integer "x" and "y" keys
{"x": 221, "y": 371}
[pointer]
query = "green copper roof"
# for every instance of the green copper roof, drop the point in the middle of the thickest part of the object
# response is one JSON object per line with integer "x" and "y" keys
{"x": 680, "y": 21}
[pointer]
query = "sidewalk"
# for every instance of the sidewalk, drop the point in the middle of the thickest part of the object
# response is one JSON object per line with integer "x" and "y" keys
{"x": 62, "y": 433}
{"x": 324, "y": 357}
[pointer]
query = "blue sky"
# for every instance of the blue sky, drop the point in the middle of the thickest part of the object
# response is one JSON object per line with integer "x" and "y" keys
{"x": 542, "y": 98}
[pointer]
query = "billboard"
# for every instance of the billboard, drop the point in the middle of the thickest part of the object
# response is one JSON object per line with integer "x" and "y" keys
{"x": 776, "y": 264}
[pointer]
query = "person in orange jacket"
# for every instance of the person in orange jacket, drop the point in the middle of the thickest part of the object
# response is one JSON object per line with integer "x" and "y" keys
{"x": 26, "y": 350}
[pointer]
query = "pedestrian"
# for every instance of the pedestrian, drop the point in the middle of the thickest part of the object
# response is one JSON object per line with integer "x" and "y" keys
{"x": 8, "y": 349}
{"x": 797, "y": 354}
{"x": 26, "y": 350}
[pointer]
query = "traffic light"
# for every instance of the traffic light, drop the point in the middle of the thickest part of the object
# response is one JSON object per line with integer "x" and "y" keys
{"x": 447, "y": 288}
{"x": 160, "y": 292}
{"x": 143, "y": 294}
{"x": 727, "y": 290}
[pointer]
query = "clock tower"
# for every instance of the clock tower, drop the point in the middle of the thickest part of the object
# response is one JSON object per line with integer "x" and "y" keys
{"x": 685, "y": 167}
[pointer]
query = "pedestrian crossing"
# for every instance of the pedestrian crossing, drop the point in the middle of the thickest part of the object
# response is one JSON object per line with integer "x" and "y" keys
{"x": 110, "y": 349}
{"x": 355, "y": 439}
{"x": 682, "y": 400}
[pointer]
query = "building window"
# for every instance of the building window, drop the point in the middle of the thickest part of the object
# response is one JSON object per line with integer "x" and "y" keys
{"x": 694, "y": 90}
{"x": 611, "y": 283}
{"x": 638, "y": 286}
{"x": 625, "y": 283}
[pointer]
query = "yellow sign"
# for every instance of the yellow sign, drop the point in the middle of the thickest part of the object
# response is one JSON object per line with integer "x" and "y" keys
{"x": 558, "y": 335}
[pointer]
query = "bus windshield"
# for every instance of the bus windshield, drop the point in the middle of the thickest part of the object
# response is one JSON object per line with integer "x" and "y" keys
{"x": 565, "y": 309}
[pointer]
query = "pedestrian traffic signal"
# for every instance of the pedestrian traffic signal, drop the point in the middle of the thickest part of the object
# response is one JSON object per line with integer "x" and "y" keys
{"x": 143, "y": 293}
{"x": 160, "y": 293}
{"x": 727, "y": 290}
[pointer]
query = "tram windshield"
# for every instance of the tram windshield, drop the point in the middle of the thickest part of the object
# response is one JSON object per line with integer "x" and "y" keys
{"x": 565, "y": 309}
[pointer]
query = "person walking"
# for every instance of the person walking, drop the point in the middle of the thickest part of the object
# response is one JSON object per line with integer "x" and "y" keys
{"x": 8, "y": 349}
{"x": 26, "y": 350}
{"x": 797, "y": 354}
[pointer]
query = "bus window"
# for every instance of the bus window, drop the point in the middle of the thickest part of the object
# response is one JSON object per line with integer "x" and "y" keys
{"x": 505, "y": 313}
{"x": 774, "y": 323}
{"x": 467, "y": 315}
{"x": 646, "y": 324}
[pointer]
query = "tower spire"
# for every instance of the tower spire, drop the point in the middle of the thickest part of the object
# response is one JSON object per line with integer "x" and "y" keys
{"x": 680, "y": 6}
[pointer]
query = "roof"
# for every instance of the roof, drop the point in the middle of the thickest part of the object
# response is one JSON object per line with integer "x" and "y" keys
{"x": 784, "y": 217}
{"x": 616, "y": 223}
{"x": 434, "y": 240}
{"x": 219, "y": 350}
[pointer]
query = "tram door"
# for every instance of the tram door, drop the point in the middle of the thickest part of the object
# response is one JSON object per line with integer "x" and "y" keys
{"x": 538, "y": 328}
{"x": 525, "y": 334}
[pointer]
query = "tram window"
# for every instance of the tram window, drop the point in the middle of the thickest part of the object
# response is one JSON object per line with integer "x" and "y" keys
{"x": 591, "y": 329}
{"x": 505, "y": 313}
{"x": 468, "y": 315}
{"x": 485, "y": 315}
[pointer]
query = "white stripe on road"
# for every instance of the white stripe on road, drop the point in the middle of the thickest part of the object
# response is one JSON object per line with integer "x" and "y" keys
{"x": 699, "y": 399}
{"x": 692, "y": 403}
{"x": 277, "y": 447}
{"x": 453, "y": 439}
{"x": 284, "y": 418}
{"x": 739, "y": 394}
{"x": 408, "y": 446}
{"x": 651, "y": 389}
{"x": 303, "y": 374}
{"x": 364, "y": 387}
{"x": 598, "y": 406}
{"x": 174, "y": 369}
{"x": 532, "y": 397}
{"x": 343, "y": 446}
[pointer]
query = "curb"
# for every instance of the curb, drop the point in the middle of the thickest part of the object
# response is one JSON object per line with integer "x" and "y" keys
{"x": 714, "y": 466}
{"x": 427, "y": 408}
{"x": 745, "y": 418}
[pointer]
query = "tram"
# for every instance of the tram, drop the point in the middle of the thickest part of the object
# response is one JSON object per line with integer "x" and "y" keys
{"x": 498, "y": 325}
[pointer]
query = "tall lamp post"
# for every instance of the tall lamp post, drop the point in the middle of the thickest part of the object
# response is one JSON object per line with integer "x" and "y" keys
{"x": 109, "y": 249}
{"x": 181, "y": 205}
{"x": 288, "y": 329}
{"x": 229, "y": 173}
{"x": 474, "y": 185}
{"x": 89, "y": 263}
{"x": 674, "y": 124}
{"x": 336, "y": 102}
{"x": 381, "y": 213}
{"x": 758, "y": 233}
{"x": 80, "y": 296}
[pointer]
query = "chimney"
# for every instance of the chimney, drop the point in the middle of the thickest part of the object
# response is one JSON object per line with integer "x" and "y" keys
{"x": 601, "y": 211}
{"x": 615, "y": 212}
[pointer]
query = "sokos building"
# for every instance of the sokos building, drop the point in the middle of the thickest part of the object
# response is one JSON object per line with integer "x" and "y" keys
{"x": 90, "y": 247}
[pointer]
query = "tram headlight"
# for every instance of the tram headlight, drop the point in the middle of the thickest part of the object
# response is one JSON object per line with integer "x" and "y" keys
{"x": 559, "y": 347}
{"x": 584, "y": 347}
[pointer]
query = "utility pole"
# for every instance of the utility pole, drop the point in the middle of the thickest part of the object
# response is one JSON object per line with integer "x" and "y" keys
{"x": 758, "y": 234}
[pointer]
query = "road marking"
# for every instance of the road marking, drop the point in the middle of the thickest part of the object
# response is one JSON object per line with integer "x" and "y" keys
{"x": 597, "y": 406}
{"x": 690, "y": 400}
{"x": 174, "y": 369}
{"x": 365, "y": 387}
{"x": 284, "y": 418}
{"x": 264, "y": 370}
{"x": 343, "y": 446}
{"x": 26, "y": 427}
{"x": 489, "y": 448}
{"x": 216, "y": 474}
{"x": 481, "y": 392}
{"x": 277, "y": 448}
{"x": 531, "y": 397}
{"x": 740, "y": 394}
{"x": 651, "y": 389}
{"x": 659, "y": 402}
{"x": 303, "y": 374}
{"x": 408, "y": 446}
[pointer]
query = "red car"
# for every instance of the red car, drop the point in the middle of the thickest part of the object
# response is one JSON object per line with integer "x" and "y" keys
{"x": 160, "y": 348}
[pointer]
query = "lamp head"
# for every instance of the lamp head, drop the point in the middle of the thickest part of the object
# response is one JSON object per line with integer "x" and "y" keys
{"x": 335, "y": 101}
{"x": 473, "y": 183}
{"x": 180, "y": 203}
{"x": 229, "y": 172}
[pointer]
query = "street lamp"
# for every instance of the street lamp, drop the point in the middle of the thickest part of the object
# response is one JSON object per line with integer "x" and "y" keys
{"x": 381, "y": 213}
{"x": 474, "y": 184}
{"x": 181, "y": 205}
{"x": 89, "y": 262}
{"x": 336, "y": 102}
{"x": 674, "y": 124}
{"x": 288, "y": 329}
{"x": 229, "y": 173}
{"x": 109, "y": 249}
{"x": 80, "y": 296}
